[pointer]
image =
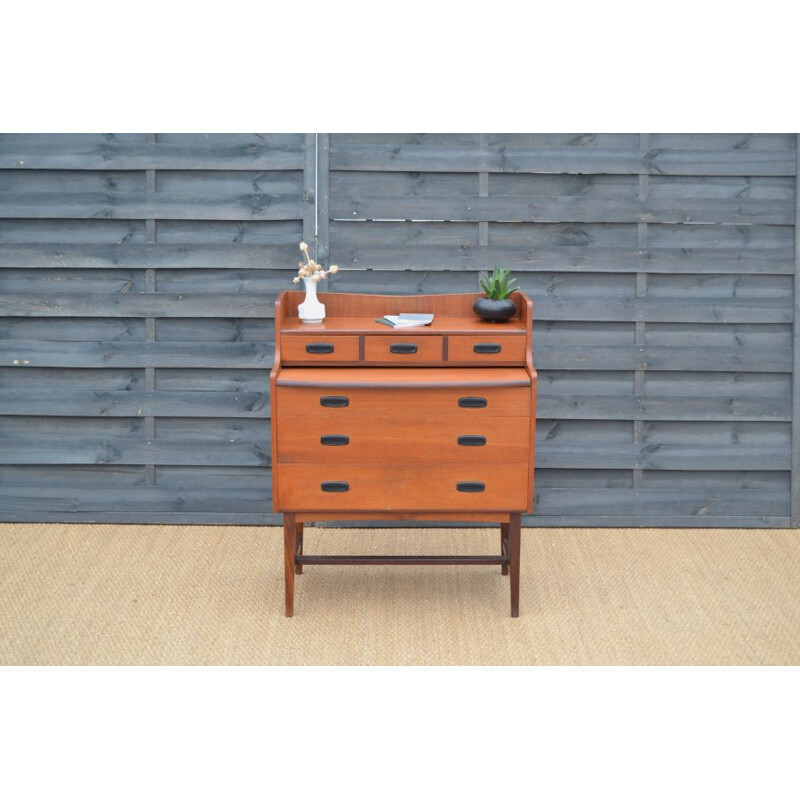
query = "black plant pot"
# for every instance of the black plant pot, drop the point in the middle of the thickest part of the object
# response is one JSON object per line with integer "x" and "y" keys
{"x": 494, "y": 310}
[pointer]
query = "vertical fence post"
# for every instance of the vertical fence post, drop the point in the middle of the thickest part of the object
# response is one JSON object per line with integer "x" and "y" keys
{"x": 310, "y": 193}
{"x": 323, "y": 162}
{"x": 150, "y": 322}
{"x": 795, "y": 486}
{"x": 642, "y": 242}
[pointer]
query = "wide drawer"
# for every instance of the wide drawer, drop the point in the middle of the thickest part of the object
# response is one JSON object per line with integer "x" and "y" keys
{"x": 330, "y": 438}
{"x": 408, "y": 487}
{"x": 344, "y": 403}
{"x": 319, "y": 348}
{"x": 486, "y": 348}
{"x": 403, "y": 349}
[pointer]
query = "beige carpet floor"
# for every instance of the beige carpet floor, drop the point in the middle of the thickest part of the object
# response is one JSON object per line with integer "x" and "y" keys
{"x": 135, "y": 594}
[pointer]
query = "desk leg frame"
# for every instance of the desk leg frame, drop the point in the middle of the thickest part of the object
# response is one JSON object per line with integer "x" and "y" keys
{"x": 509, "y": 558}
{"x": 289, "y": 559}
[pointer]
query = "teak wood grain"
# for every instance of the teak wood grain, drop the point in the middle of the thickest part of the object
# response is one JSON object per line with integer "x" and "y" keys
{"x": 411, "y": 438}
{"x": 441, "y": 429}
{"x": 306, "y": 400}
{"x": 428, "y": 349}
{"x": 451, "y": 326}
{"x": 406, "y": 486}
{"x": 405, "y": 377}
{"x": 300, "y": 348}
{"x": 500, "y": 349}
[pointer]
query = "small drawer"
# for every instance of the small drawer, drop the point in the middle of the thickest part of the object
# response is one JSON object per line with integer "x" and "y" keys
{"x": 403, "y": 349}
{"x": 398, "y": 439}
{"x": 343, "y": 402}
{"x": 404, "y": 487}
{"x": 319, "y": 348}
{"x": 486, "y": 348}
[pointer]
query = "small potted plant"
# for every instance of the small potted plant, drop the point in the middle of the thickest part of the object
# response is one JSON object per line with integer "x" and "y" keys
{"x": 311, "y": 273}
{"x": 496, "y": 306}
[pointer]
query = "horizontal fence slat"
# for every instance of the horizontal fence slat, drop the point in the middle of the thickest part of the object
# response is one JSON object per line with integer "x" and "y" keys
{"x": 148, "y": 205}
{"x": 139, "y": 304}
{"x": 217, "y": 403}
{"x": 659, "y": 521}
{"x": 660, "y": 456}
{"x": 665, "y": 309}
{"x": 168, "y": 450}
{"x": 140, "y": 156}
{"x": 129, "y": 404}
{"x": 102, "y": 402}
{"x": 569, "y": 160}
{"x": 134, "y": 498}
{"x": 513, "y": 208}
{"x": 617, "y": 357}
{"x": 11, "y": 513}
{"x": 662, "y": 408}
{"x": 222, "y": 355}
{"x": 255, "y": 305}
{"x": 26, "y": 353}
{"x": 116, "y": 450}
{"x": 682, "y": 502}
{"x": 430, "y": 258}
{"x": 150, "y": 256}
{"x": 691, "y": 507}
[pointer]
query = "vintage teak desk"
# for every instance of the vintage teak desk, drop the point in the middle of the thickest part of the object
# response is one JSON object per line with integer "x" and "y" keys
{"x": 430, "y": 423}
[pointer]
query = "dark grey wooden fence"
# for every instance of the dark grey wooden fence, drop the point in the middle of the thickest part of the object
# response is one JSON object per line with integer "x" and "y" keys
{"x": 138, "y": 273}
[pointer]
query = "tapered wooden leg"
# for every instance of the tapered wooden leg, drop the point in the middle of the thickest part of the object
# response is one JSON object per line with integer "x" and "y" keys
{"x": 289, "y": 544}
{"x": 504, "y": 545}
{"x": 513, "y": 552}
{"x": 298, "y": 568}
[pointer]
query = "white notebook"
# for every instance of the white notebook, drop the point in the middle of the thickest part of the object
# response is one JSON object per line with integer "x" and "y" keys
{"x": 409, "y": 320}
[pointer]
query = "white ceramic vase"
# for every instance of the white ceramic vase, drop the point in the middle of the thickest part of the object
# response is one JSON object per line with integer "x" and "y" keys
{"x": 311, "y": 310}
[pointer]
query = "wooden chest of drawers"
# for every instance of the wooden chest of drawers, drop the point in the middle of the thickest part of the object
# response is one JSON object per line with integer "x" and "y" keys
{"x": 374, "y": 423}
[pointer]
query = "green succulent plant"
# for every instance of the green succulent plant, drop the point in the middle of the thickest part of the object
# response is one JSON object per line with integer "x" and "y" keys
{"x": 499, "y": 285}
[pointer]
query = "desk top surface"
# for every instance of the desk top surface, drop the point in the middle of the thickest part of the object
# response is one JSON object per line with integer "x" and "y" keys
{"x": 397, "y": 377}
{"x": 440, "y": 325}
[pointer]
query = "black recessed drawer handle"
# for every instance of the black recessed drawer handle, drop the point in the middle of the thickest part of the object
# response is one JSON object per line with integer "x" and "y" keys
{"x": 470, "y": 486}
{"x": 403, "y": 348}
{"x": 487, "y": 348}
{"x": 334, "y": 440}
{"x": 334, "y": 401}
{"x": 319, "y": 348}
{"x": 335, "y": 486}
{"x": 472, "y": 441}
{"x": 472, "y": 402}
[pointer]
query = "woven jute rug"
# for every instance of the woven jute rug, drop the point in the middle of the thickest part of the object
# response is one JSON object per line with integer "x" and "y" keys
{"x": 150, "y": 594}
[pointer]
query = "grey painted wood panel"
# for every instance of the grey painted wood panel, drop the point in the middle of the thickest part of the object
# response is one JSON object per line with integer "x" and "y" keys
{"x": 218, "y": 403}
{"x": 688, "y": 407}
{"x": 138, "y": 304}
{"x": 149, "y": 256}
{"x": 598, "y": 160}
{"x": 433, "y": 257}
{"x": 222, "y": 355}
{"x": 144, "y": 205}
{"x": 54, "y": 380}
{"x": 128, "y": 498}
{"x": 64, "y": 154}
{"x": 109, "y": 403}
{"x": 707, "y": 359}
{"x": 538, "y": 520}
{"x": 673, "y": 502}
{"x": 711, "y": 291}
{"x": 126, "y": 451}
{"x": 513, "y": 208}
{"x": 795, "y": 488}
